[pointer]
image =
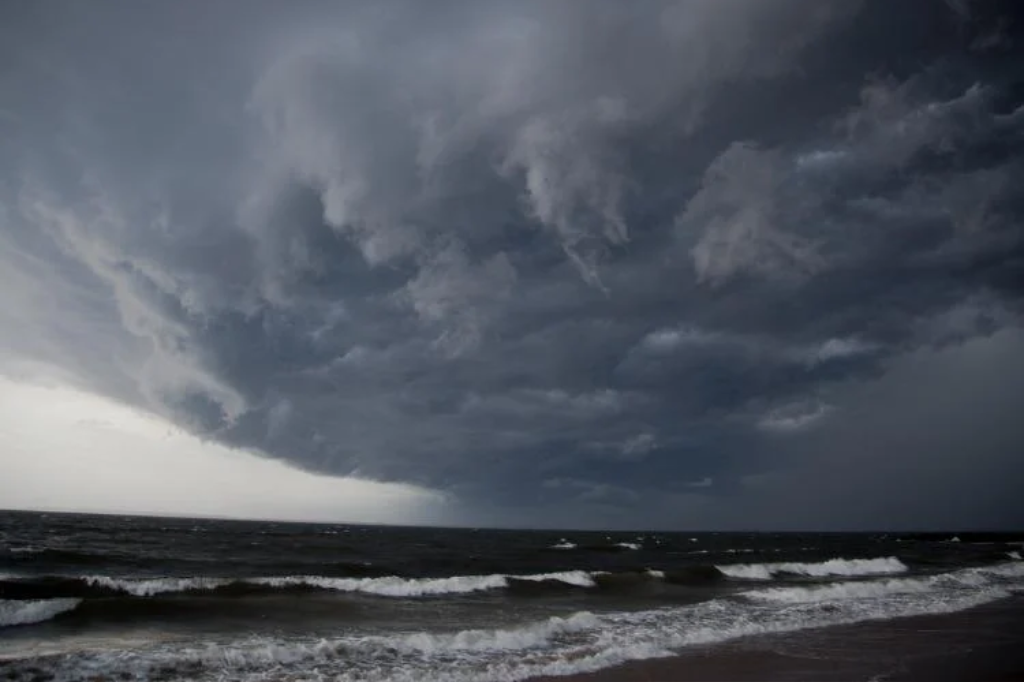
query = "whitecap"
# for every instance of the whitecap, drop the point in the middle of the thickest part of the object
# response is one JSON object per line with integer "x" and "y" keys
{"x": 14, "y": 612}
{"x": 832, "y": 567}
{"x": 981, "y": 578}
{"x": 393, "y": 586}
{"x": 148, "y": 587}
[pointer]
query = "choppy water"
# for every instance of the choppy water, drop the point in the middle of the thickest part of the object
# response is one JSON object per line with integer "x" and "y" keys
{"x": 182, "y": 599}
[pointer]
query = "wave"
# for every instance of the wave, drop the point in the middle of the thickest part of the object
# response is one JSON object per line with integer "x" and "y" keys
{"x": 388, "y": 586}
{"x": 517, "y": 638}
{"x": 582, "y": 642}
{"x": 563, "y": 544}
{"x": 839, "y": 591}
{"x": 420, "y": 587}
{"x": 628, "y": 545}
{"x": 968, "y": 578}
{"x": 99, "y": 586}
{"x": 148, "y": 587}
{"x": 51, "y": 587}
{"x": 691, "y": 576}
{"x": 822, "y": 569}
{"x": 14, "y": 612}
{"x": 108, "y": 587}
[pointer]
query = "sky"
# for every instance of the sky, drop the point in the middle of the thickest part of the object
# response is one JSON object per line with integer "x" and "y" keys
{"x": 706, "y": 264}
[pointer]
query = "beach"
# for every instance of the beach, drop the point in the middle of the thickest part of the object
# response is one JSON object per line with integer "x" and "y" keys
{"x": 86, "y": 598}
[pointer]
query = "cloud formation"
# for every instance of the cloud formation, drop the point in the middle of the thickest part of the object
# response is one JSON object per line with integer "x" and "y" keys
{"x": 583, "y": 265}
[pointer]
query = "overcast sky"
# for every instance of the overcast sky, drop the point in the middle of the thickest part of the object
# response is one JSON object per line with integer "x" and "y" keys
{"x": 696, "y": 264}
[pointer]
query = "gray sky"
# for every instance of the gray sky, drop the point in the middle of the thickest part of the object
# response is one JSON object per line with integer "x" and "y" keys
{"x": 696, "y": 264}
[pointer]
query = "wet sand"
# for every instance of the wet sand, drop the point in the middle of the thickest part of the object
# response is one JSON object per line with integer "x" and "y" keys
{"x": 985, "y": 644}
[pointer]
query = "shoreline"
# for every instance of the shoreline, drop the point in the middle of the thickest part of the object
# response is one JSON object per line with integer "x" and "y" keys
{"x": 981, "y": 644}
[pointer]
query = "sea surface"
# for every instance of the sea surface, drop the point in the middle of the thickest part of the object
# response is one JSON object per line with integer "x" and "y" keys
{"x": 86, "y": 597}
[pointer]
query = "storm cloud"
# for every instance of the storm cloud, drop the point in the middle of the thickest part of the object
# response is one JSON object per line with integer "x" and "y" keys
{"x": 694, "y": 263}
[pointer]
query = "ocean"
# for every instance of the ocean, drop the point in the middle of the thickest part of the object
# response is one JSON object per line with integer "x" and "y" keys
{"x": 86, "y": 597}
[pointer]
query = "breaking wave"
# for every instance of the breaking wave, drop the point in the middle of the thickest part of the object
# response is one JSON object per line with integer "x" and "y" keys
{"x": 822, "y": 569}
{"x": 582, "y": 642}
{"x": 420, "y": 587}
{"x": 65, "y": 587}
{"x": 968, "y": 578}
{"x": 388, "y": 586}
{"x": 64, "y": 590}
{"x": 97, "y": 586}
{"x": 33, "y": 611}
{"x": 143, "y": 587}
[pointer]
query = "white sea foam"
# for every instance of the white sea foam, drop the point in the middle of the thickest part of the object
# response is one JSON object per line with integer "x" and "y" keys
{"x": 576, "y": 643}
{"x": 628, "y": 545}
{"x": 148, "y": 587}
{"x": 513, "y": 639}
{"x": 392, "y": 586}
{"x": 564, "y": 544}
{"x": 1014, "y": 555}
{"x": 387, "y": 586}
{"x": 13, "y": 612}
{"x": 832, "y": 567}
{"x": 986, "y": 577}
{"x": 1009, "y": 570}
{"x": 842, "y": 590}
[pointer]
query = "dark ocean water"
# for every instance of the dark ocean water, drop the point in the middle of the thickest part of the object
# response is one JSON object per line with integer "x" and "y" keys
{"x": 84, "y": 597}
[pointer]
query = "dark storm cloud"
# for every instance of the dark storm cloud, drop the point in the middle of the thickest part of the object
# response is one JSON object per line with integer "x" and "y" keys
{"x": 572, "y": 262}
{"x": 932, "y": 444}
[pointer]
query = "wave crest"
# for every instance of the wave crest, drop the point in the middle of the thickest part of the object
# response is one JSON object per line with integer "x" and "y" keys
{"x": 419, "y": 587}
{"x": 983, "y": 578}
{"x": 388, "y": 586}
{"x": 14, "y": 612}
{"x": 822, "y": 569}
{"x": 148, "y": 587}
